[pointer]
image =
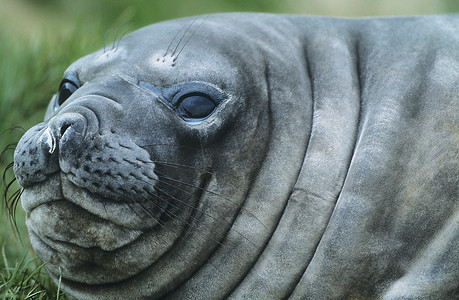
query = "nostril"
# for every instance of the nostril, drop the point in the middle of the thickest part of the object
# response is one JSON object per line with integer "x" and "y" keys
{"x": 64, "y": 128}
{"x": 48, "y": 140}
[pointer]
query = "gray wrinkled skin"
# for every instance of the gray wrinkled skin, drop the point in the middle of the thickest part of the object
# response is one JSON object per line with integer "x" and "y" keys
{"x": 329, "y": 169}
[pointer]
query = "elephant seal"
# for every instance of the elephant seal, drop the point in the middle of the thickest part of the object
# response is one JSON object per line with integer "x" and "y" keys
{"x": 253, "y": 156}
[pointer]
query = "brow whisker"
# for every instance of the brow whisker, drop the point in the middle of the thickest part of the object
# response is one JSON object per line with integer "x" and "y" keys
{"x": 187, "y": 41}
{"x": 184, "y": 34}
{"x": 175, "y": 36}
{"x": 105, "y": 39}
{"x": 121, "y": 37}
{"x": 116, "y": 34}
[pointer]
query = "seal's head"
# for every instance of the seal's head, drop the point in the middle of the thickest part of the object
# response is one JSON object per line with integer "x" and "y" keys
{"x": 149, "y": 151}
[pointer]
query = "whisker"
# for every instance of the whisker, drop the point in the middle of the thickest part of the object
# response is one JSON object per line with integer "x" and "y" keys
{"x": 186, "y": 43}
{"x": 10, "y": 202}
{"x": 176, "y": 165}
{"x": 175, "y": 198}
{"x": 105, "y": 208}
{"x": 181, "y": 201}
{"x": 15, "y": 201}
{"x": 15, "y": 128}
{"x": 184, "y": 34}
{"x": 210, "y": 192}
{"x": 7, "y": 187}
{"x": 192, "y": 207}
{"x": 105, "y": 39}
{"x": 11, "y": 206}
{"x": 7, "y": 168}
{"x": 169, "y": 214}
{"x": 121, "y": 37}
{"x": 169, "y": 144}
{"x": 161, "y": 223}
{"x": 172, "y": 42}
{"x": 175, "y": 217}
{"x": 116, "y": 34}
{"x": 192, "y": 168}
{"x": 199, "y": 210}
{"x": 8, "y": 147}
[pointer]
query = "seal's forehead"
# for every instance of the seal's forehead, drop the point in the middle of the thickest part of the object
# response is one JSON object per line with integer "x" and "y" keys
{"x": 165, "y": 53}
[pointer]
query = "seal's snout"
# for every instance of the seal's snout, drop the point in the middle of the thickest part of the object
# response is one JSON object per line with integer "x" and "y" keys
{"x": 33, "y": 161}
{"x": 38, "y": 151}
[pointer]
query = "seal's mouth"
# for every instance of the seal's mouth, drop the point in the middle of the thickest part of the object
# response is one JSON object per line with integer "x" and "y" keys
{"x": 78, "y": 217}
{"x": 63, "y": 221}
{"x": 59, "y": 188}
{"x": 93, "y": 265}
{"x": 85, "y": 238}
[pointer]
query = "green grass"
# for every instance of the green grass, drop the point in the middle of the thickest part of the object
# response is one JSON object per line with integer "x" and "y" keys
{"x": 40, "y": 38}
{"x": 26, "y": 279}
{"x": 31, "y": 67}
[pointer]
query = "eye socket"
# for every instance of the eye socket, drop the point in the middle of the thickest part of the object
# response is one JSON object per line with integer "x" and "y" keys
{"x": 67, "y": 87}
{"x": 193, "y": 101}
{"x": 196, "y": 106}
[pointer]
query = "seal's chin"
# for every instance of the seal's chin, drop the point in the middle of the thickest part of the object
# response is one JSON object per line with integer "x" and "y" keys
{"x": 85, "y": 245}
{"x": 74, "y": 243}
{"x": 91, "y": 265}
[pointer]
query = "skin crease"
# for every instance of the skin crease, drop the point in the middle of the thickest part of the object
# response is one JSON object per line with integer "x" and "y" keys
{"x": 328, "y": 168}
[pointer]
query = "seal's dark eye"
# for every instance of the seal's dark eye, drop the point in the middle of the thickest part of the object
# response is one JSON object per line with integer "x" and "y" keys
{"x": 196, "y": 106}
{"x": 68, "y": 86}
{"x": 66, "y": 90}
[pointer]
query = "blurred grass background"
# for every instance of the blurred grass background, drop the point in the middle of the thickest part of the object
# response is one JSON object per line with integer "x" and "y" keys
{"x": 40, "y": 38}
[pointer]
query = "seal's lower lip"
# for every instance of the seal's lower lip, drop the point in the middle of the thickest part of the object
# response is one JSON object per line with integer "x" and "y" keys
{"x": 71, "y": 262}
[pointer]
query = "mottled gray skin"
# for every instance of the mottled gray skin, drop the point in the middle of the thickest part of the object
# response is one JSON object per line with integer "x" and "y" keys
{"x": 329, "y": 170}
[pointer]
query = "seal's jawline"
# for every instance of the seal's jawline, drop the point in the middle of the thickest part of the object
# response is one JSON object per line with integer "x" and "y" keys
{"x": 77, "y": 285}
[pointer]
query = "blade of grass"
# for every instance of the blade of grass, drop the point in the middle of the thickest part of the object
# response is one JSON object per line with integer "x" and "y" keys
{"x": 5, "y": 261}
